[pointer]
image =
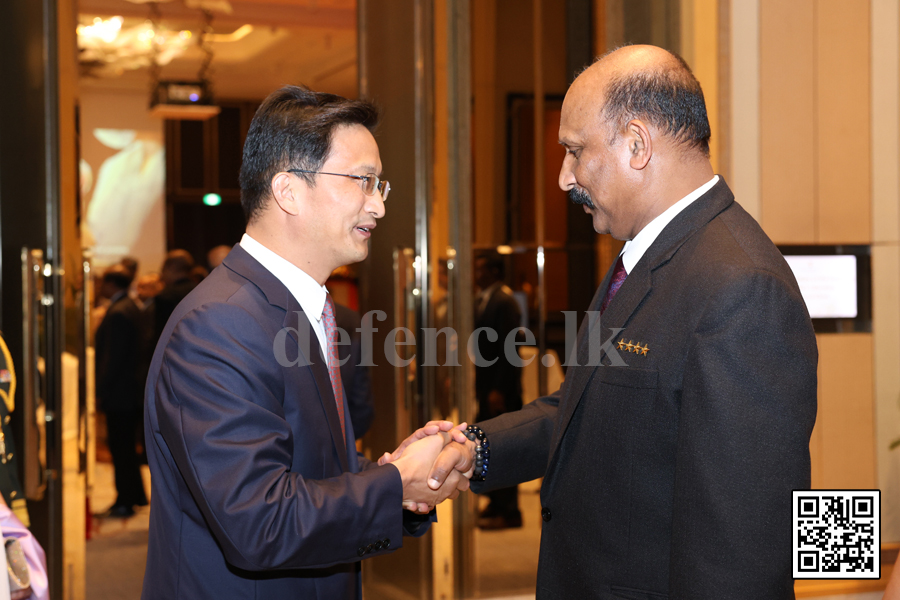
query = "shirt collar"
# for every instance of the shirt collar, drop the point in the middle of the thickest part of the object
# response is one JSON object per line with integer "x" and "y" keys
{"x": 304, "y": 288}
{"x": 635, "y": 249}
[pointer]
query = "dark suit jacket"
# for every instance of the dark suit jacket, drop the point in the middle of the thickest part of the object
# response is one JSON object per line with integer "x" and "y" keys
{"x": 671, "y": 476}
{"x": 255, "y": 493}
{"x": 503, "y": 316}
{"x": 118, "y": 345}
{"x": 354, "y": 376}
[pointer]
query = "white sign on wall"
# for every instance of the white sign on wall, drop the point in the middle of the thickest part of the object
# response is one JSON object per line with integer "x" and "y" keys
{"x": 827, "y": 283}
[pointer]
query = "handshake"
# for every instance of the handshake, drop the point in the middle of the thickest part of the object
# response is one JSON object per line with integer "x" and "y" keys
{"x": 435, "y": 463}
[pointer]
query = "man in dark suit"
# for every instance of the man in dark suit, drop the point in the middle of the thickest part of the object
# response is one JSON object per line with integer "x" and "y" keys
{"x": 177, "y": 283}
{"x": 671, "y": 450}
{"x": 258, "y": 491}
{"x": 118, "y": 344}
{"x": 498, "y": 381}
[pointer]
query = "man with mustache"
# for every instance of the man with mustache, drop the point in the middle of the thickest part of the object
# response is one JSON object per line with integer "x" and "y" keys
{"x": 671, "y": 450}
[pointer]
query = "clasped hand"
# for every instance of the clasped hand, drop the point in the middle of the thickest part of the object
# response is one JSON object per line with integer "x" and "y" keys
{"x": 435, "y": 463}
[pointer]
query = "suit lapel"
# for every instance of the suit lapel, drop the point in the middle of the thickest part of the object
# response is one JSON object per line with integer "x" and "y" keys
{"x": 297, "y": 323}
{"x": 594, "y": 332}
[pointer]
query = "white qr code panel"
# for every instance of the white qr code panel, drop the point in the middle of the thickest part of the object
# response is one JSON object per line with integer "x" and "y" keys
{"x": 837, "y": 534}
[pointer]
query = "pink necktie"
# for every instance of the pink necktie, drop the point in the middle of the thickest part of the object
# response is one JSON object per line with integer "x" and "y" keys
{"x": 618, "y": 278}
{"x": 334, "y": 369}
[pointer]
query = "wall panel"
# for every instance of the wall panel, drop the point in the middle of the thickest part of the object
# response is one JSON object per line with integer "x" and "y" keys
{"x": 885, "y": 56}
{"x": 745, "y": 97}
{"x": 845, "y": 413}
{"x": 842, "y": 122}
{"x": 787, "y": 122}
{"x": 886, "y": 325}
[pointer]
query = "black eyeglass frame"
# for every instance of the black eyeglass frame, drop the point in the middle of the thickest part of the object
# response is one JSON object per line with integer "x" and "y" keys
{"x": 383, "y": 187}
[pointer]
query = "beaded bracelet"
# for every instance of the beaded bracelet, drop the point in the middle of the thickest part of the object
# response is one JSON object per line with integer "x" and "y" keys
{"x": 482, "y": 451}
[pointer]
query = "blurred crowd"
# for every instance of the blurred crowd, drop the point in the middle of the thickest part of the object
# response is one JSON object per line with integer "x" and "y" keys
{"x": 128, "y": 317}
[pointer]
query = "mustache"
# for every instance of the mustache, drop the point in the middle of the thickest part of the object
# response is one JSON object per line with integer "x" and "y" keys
{"x": 580, "y": 196}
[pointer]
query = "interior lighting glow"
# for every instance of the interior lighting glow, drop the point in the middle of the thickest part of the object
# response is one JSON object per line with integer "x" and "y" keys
{"x": 212, "y": 199}
{"x": 106, "y": 30}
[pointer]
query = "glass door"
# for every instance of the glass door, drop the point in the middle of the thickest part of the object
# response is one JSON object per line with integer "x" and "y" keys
{"x": 42, "y": 319}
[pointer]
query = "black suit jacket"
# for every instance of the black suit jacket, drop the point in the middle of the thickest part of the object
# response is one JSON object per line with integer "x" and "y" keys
{"x": 118, "y": 344}
{"x": 501, "y": 314}
{"x": 670, "y": 475}
{"x": 256, "y": 494}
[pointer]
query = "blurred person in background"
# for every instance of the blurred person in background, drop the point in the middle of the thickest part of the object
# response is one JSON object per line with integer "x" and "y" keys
{"x": 120, "y": 395}
{"x": 498, "y": 385}
{"x": 177, "y": 283}
{"x": 198, "y": 274}
{"x": 131, "y": 265}
{"x": 215, "y": 256}
{"x": 148, "y": 286}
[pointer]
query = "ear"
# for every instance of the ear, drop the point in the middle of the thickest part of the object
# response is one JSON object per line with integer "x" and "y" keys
{"x": 640, "y": 144}
{"x": 286, "y": 191}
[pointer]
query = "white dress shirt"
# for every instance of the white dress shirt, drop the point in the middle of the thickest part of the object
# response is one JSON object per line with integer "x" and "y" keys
{"x": 634, "y": 249}
{"x": 305, "y": 289}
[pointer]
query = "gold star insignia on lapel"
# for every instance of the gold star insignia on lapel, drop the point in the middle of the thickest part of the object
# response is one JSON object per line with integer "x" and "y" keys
{"x": 621, "y": 345}
{"x": 644, "y": 350}
{"x": 629, "y": 346}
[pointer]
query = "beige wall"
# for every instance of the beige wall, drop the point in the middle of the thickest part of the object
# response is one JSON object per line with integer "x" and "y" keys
{"x": 815, "y": 128}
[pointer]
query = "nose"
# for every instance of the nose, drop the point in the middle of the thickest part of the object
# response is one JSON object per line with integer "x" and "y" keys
{"x": 567, "y": 174}
{"x": 375, "y": 205}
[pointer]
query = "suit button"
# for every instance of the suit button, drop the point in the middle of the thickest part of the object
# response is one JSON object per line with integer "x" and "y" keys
{"x": 370, "y": 548}
{"x": 545, "y": 513}
{"x": 361, "y": 551}
{"x": 378, "y": 545}
{"x": 387, "y": 543}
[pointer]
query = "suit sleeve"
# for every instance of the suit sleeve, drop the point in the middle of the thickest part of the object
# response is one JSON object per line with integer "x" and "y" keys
{"x": 414, "y": 525}
{"x": 218, "y": 402}
{"x": 748, "y": 407}
{"x": 520, "y": 443}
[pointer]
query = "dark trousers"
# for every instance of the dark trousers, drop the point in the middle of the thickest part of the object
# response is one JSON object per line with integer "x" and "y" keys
{"x": 121, "y": 436}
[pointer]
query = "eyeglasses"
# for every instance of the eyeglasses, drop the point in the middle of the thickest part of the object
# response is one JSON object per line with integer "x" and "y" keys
{"x": 372, "y": 182}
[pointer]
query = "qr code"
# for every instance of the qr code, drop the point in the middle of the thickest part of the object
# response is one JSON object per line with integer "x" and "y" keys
{"x": 837, "y": 534}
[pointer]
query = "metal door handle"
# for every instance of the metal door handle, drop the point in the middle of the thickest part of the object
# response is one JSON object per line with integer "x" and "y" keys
{"x": 34, "y": 303}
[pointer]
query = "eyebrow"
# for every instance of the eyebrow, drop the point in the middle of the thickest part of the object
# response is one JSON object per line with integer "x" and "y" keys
{"x": 368, "y": 169}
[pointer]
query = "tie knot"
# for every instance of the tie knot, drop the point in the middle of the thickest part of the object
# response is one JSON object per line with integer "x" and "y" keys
{"x": 615, "y": 282}
{"x": 328, "y": 307}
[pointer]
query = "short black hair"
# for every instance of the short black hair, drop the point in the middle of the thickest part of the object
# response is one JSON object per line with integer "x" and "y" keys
{"x": 118, "y": 276}
{"x": 668, "y": 97}
{"x": 494, "y": 263}
{"x": 178, "y": 262}
{"x": 293, "y": 129}
{"x": 131, "y": 265}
